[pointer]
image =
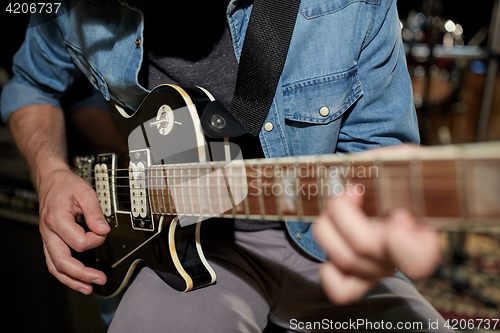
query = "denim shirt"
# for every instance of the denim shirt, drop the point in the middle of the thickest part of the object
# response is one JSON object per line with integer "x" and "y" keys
{"x": 346, "y": 55}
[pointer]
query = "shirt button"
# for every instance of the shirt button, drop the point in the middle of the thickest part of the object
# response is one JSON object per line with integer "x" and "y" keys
{"x": 297, "y": 234}
{"x": 138, "y": 43}
{"x": 268, "y": 126}
{"x": 94, "y": 79}
{"x": 324, "y": 111}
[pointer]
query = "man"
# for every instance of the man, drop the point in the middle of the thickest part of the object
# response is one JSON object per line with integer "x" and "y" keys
{"x": 344, "y": 88}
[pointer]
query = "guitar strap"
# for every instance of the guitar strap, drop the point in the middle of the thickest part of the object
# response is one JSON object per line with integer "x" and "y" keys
{"x": 262, "y": 60}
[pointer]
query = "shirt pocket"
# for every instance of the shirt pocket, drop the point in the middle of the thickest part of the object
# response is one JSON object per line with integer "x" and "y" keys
{"x": 311, "y": 9}
{"x": 313, "y": 110}
{"x": 89, "y": 70}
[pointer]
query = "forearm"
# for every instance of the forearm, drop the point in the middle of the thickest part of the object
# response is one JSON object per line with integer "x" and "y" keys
{"x": 39, "y": 131}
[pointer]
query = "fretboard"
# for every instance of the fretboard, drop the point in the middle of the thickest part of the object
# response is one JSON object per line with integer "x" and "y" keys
{"x": 448, "y": 186}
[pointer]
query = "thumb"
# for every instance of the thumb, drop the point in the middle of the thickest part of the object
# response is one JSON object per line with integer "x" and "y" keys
{"x": 93, "y": 213}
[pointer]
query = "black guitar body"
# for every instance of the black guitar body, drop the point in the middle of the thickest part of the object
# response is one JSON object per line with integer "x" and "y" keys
{"x": 165, "y": 130}
{"x": 126, "y": 251}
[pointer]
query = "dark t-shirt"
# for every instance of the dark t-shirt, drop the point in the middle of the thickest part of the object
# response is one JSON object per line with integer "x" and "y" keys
{"x": 195, "y": 49}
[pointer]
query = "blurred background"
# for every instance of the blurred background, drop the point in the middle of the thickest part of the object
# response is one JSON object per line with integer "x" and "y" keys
{"x": 452, "y": 54}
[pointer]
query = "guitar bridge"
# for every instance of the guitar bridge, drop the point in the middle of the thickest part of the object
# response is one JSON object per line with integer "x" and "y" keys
{"x": 139, "y": 201}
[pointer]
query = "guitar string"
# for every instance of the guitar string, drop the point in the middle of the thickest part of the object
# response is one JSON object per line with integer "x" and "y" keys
{"x": 250, "y": 175}
{"x": 312, "y": 167}
{"x": 176, "y": 175}
{"x": 313, "y": 198}
{"x": 286, "y": 165}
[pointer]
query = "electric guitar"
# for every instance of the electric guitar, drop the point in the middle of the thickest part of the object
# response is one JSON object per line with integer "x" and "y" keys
{"x": 174, "y": 178}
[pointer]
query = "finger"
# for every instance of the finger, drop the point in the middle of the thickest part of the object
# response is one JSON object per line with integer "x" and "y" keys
{"x": 363, "y": 236}
{"x": 87, "y": 200}
{"x": 64, "y": 264}
{"x": 342, "y": 289}
{"x": 342, "y": 255}
{"x": 416, "y": 250}
{"x": 63, "y": 224}
{"x": 83, "y": 287}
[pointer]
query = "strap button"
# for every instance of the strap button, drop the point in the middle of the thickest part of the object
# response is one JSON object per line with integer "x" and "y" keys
{"x": 268, "y": 126}
{"x": 218, "y": 122}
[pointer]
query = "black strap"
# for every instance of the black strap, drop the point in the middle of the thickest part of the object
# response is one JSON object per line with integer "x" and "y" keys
{"x": 262, "y": 59}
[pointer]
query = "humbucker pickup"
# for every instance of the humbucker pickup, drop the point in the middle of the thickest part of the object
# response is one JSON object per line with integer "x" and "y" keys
{"x": 139, "y": 201}
{"x": 102, "y": 181}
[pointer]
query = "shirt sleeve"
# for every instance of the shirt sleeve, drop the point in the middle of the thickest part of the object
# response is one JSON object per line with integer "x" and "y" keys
{"x": 385, "y": 115}
{"x": 42, "y": 67}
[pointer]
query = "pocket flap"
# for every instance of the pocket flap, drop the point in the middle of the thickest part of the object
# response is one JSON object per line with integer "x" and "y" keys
{"x": 315, "y": 8}
{"x": 323, "y": 99}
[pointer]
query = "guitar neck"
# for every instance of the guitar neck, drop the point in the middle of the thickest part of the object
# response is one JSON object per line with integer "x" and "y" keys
{"x": 447, "y": 187}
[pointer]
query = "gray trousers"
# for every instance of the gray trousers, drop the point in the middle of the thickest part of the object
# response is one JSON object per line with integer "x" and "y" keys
{"x": 263, "y": 276}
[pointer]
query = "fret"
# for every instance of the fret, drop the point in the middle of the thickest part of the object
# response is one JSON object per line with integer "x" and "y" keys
{"x": 159, "y": 180}
{"x": 277, "y": 197}
{"x": 219, "y": 192}
{"x": 145, "y": 195}
{"x": 151, "y": 189}
{"x": 229, "y": 182}
{"x": 245, "y": 205}
{"x": 380, "y": 196}
{"x": 298, "y": 199}
{"x": 163, "y": 183}
{"x": 261, "y": 194}
{"x": 165, "y": 172}
{"x": 348, "y": 167}
{"x": 198, "y": 190}
{"x": 227, "y": 199}
{"x": 154, "y": 183}
{"x": 209, "y": 194}
{"x": 238, "y": 186}
{"x": 245, "y": 200}
{"x": 227, "y": 150}
{"x": 319, "y": 183}
{"x": 185, "y": 211}
{"x": 334, "y": 182}
{"x": 287, "y": 202}
{"x": 159, "y": 198}
{"x": 191, "y": 198}
{"x": 175, "y": 199}
{"x": 416, "y": 188}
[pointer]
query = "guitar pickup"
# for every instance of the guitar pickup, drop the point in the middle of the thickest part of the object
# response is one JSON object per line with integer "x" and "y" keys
{"x": 104, "y": 181}
{"x": 139, "y": 201}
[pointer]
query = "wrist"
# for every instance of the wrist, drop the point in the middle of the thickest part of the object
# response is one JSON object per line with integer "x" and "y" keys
{"x": 47, "y": 167}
